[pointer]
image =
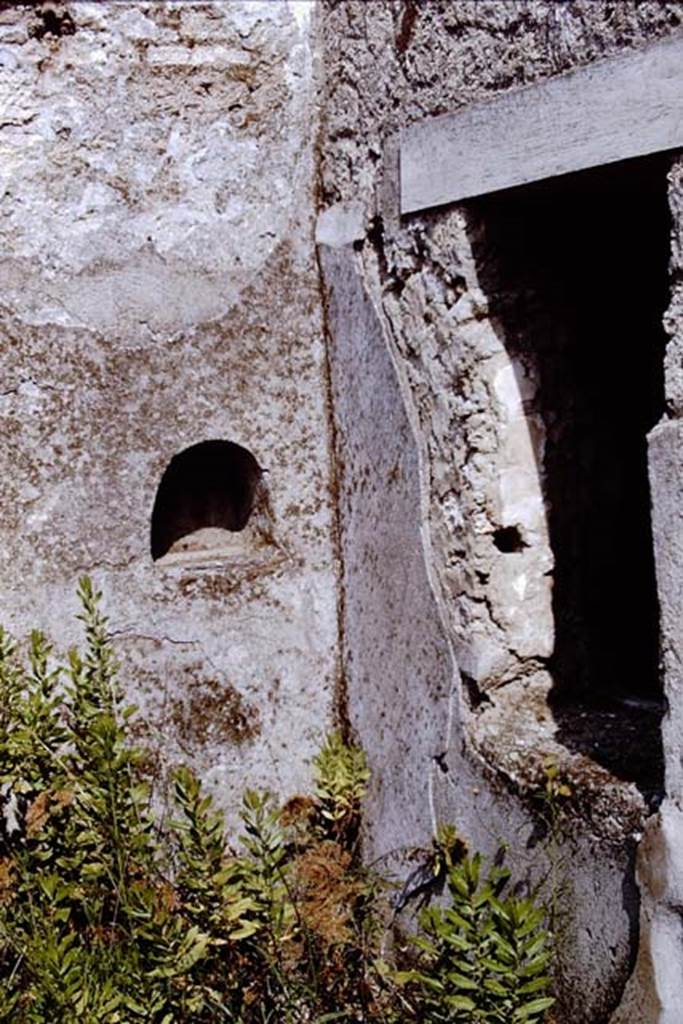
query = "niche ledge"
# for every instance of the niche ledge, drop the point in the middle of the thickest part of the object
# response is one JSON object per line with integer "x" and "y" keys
{"x": 215, "y": 548}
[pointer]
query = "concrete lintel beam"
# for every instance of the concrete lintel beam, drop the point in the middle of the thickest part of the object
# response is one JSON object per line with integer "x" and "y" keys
{"x": 615, "y": 109}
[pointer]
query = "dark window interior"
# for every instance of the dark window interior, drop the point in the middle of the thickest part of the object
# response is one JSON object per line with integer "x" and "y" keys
{"x": 211, "y": 484}
{"x": 576, "y": 270}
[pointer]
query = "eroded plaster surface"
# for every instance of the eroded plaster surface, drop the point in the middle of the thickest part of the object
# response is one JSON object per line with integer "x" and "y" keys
{"x": 404, "y": 698}
{"x": 476, "y": 395}
{"x": 159, "y": 288}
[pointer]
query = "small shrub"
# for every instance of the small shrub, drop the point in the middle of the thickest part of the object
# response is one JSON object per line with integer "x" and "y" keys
{"x": 484, "y": 957}
{"x": 106, "y": 918}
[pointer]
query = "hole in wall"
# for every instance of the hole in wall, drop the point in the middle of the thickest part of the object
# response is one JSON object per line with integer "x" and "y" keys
{"x": 52, "y": 23}
{"x": 576, "y": 271}
{"x": 207, "y": 494}
{"x": 508, "y": 539}
{"x": 475, "y": 696}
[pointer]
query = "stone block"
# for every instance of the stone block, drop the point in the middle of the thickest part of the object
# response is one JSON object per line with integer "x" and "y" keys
{"x": 340, "y": 225}
{"x": 666, "y": 488}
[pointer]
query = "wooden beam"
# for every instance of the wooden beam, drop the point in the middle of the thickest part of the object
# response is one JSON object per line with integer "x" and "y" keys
{"x": 614, "y": 109}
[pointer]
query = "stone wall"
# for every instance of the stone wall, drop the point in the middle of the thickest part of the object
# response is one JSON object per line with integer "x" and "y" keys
{"x": 161, "y": 166}
{"x": 158, "y": 288}
{"x": 467, "y": 324}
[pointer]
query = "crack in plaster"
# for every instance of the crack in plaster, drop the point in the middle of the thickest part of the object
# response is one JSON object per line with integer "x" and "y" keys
{"x": 153, "y": 638}
{"x": 104, "y": 564}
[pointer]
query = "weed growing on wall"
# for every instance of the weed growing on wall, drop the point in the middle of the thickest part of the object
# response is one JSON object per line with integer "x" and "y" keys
{"x": 484, "y": 957}
{"x": 106, "y": 917}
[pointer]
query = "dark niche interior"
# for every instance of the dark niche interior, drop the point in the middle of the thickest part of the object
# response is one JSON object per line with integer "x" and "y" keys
{"x": 576, "y": 271}
{"x": 211, "y": 485}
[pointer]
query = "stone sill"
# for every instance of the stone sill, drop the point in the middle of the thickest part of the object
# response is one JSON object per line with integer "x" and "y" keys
{"x": 610, "y": 758}
{"x": 217, "y": 550}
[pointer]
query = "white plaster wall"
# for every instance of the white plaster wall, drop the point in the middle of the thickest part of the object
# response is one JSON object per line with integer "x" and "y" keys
{"x": 157, "y": 288}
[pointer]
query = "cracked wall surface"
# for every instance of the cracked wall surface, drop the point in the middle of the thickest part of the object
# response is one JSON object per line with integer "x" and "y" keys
{"x": 158, "y": 288}
{"x": 476, "y": 392}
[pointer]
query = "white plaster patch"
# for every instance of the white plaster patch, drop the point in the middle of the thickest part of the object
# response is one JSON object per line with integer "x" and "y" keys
{"x": 340, "y": 224}
{"x": 302, "y": 11}
{"x": 513, "y": 387}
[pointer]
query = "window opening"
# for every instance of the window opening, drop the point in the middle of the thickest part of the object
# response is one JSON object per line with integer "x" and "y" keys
{"x": 207, "y": 494}
{"x": 576, "y": 270}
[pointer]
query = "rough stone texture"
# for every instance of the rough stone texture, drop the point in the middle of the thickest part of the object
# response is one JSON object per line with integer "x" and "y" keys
{"x": 483, "y": 456}
{"x": 673, "y": 320}
{"x": 159, "y": 288}
{"x": 655, "y": 989}
{"x": 477, "y": 399}
{"x": 401, "y": 677}
{"x": 666, "y": 473}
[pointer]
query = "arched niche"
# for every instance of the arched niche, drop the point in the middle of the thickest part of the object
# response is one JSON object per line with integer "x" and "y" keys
{"x": 207, "y": 494}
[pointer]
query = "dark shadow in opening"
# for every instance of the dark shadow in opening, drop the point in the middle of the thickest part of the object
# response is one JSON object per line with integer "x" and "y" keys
{"x": 576, "y": 272}
{"x": 211, "y": 484}
{"x": 508, "y": 539}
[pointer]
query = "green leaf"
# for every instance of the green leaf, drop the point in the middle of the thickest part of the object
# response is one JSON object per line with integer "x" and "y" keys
{"x": 460, "y": 1003}
{"x": 537, "y": 985}
{"x": 534, "y": 1008}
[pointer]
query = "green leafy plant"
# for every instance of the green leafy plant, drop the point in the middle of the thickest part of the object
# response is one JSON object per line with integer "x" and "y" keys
{"x": 484, "y": 957}
{"x": 341, "y": 779}
{"x": 91, "y": 926}
{"x": 551, "y": 802}
{"x": 108, "y": 917}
